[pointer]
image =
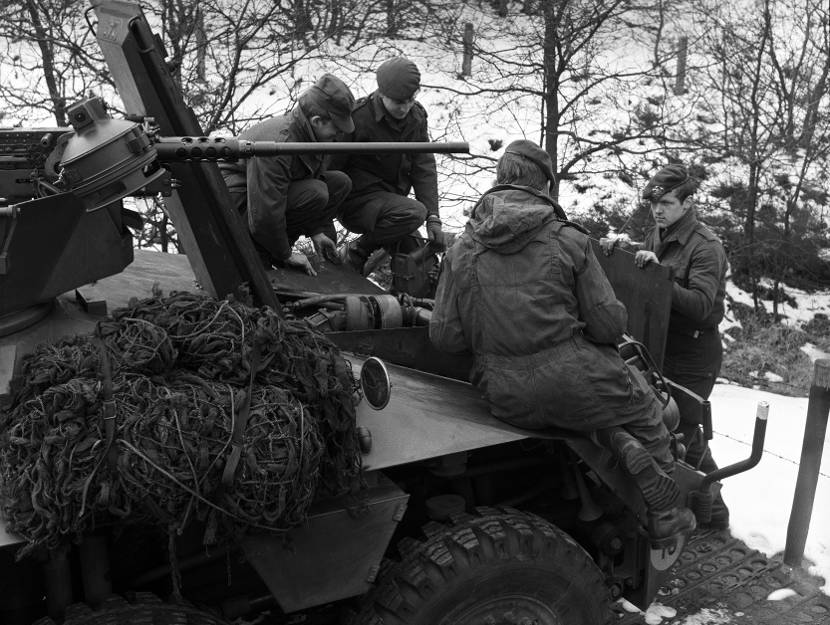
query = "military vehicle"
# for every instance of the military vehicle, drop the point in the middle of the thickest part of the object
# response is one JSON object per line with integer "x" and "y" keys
{"x": 461, "y": 519}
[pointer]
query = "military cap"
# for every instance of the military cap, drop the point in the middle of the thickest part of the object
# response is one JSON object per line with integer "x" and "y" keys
{"x": 532, "y": 152}
{"x": 666, "y": 180}
{"x": 398, "y": 78}
{"x": 333, "y": 96}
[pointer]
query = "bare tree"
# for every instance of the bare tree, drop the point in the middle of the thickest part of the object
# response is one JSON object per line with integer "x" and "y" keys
{"x": 580, "y": 66}
{"x": 769, "y": 74}
{"x": 48, "y": 56}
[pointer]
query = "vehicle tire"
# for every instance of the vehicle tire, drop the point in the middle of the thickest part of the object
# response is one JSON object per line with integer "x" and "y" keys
{"x": 499, "y": 567}
{"x": 141, "y": 608}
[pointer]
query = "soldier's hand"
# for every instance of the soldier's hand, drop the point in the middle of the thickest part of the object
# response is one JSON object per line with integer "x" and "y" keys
{"x": 608, "y": 244}
{"x": 435, "y": 234}
{"x": 644, "y": 257}
{"x": 300, "y": 261}
{"x": 325, "y": 247}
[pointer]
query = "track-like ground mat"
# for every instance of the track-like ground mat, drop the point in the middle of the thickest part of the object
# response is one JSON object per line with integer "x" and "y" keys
{"x": 719, "y": 580}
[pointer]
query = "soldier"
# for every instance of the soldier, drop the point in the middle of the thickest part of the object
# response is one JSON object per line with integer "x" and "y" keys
{"x": 693, "y": 346}
{"x": 379, "y": 207}
{"x": 522, "y": 290}
{"x": 288, "y": 196}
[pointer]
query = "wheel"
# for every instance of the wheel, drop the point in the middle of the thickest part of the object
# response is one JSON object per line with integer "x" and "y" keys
{"x": 498, "y": 567}
{"x": 141, "y": 608}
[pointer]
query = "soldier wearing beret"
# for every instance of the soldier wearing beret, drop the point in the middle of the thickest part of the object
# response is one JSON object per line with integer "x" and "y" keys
{"x": 694, "y": 351}
{"x": 556, "y": 362}
{"x": 379, "y": 206}
{"x": 287, "y": 196}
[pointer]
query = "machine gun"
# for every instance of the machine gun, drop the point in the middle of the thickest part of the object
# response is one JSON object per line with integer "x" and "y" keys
{"x": 64, "y": 186}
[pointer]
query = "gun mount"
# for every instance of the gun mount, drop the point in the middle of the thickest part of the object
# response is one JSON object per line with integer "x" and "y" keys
{"x": 60, "y": 177}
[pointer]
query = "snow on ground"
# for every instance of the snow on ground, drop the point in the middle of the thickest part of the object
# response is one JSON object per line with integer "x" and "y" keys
{"x": 760, "y": 500}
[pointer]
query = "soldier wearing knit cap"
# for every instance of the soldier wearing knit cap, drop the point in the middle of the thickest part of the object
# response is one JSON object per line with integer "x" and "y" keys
{"x": 284, "y": 197}
{"x": 693, "y": 345}
{"x": 379, "y": 206}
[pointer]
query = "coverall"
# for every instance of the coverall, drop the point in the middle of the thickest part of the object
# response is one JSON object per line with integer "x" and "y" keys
{"x": 523, "y": 292}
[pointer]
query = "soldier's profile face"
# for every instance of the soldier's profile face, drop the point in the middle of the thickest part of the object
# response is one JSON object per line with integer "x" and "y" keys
{"x": 667, "y": 209}
{"x": 324, "y": 128}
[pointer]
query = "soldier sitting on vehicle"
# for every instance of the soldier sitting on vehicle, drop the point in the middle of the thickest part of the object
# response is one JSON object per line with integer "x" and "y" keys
{"x": 291, "y": 195}
{"x": 522, "y": 290}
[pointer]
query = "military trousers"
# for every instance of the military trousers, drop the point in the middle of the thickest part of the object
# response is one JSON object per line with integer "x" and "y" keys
{"x": 381, "y": 217}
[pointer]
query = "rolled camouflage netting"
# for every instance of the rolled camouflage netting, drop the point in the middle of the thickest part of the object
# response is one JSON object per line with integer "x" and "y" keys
{"x": 179, "y": 385}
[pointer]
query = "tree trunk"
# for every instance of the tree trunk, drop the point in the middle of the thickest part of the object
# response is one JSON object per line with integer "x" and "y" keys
{"x": 49, "y": 71}
{"x": 550, "y": 86}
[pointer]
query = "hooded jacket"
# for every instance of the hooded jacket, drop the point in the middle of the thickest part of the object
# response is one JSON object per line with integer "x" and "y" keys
{"x": 523, "y": 292}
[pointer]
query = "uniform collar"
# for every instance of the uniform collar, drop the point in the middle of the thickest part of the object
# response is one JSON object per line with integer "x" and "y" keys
{"x": 682, "y": 229}
{"x": 302, "y": 124}
{"x": 380, "y": 113}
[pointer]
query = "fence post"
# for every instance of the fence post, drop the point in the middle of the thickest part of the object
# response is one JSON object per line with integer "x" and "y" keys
{"x": 680, "y": 80}
{"x": 467, "y": 63}
{"x": 815, "y": 430}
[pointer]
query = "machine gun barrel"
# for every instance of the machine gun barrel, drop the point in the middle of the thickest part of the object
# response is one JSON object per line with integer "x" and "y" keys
{"x": 231, "y": 148}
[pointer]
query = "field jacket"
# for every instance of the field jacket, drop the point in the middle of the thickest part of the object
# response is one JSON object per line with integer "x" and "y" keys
{"x": 396, "y": 173}
{"x": 522, "y": 291}
{"x": 267, "y": 178}
{"x": 699, "y": 265}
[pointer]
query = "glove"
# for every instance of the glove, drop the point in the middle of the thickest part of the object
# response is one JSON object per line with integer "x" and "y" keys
{"x": 325, "y": 247}
{"x": 298, "y": 260}
{"x": 435, "y": 234}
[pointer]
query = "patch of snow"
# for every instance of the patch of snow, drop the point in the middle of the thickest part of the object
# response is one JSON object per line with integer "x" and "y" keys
{"x": 657, "y": 612}
{"x": 814, "y": 352}
{"x": 626, "y": 605}
{"x": 760, "y": 500}
{"x": 781, "y": 593}
{"x": 769, "y": 376}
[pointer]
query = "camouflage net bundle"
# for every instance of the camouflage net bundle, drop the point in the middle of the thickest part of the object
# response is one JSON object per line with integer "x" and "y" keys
{"x": 166, "y": 459}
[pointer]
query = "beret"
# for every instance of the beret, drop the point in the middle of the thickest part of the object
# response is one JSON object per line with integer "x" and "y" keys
{"x": 398, "y": 78}
{"x": 333, "y": 96}
{"x": 534, "y": 153}
{"x": 664, "y": 181}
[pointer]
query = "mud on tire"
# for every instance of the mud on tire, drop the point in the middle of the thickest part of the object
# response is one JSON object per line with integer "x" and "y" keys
{"x": 499, "y": 566}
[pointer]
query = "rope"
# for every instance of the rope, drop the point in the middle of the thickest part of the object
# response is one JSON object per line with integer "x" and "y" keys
{"x": 182, "y": 368}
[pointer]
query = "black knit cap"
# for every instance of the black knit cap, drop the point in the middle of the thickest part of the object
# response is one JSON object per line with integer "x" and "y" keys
{"x": 333, "y": 96}
{"x": 398, "y": 78}
{"x": 532, "y": 152}
{"x": 664, "y": 181}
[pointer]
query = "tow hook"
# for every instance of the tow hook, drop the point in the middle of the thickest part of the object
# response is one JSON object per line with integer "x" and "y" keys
{"x": 701, "y": 500}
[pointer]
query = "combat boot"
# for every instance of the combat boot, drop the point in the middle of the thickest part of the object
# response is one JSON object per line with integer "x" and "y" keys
{"x": 703, "y": 461}
{"x": 659, "y": 490}
{"x": 665, "y": 526}
{"x": 719, "y": 520}
{"x": 352, "y": 255}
